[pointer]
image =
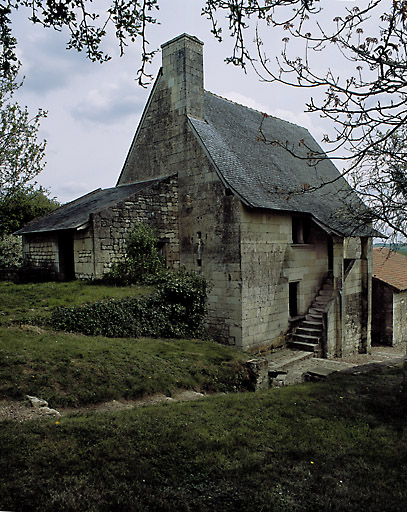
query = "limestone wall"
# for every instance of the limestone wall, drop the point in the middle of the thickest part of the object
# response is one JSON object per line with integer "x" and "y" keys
{"x": 356, "y": 296}
{"x": 40, "y": 252}
{"x": 83, "y": 254}
{"x": 333, "y": 329}
{"x": 105, "y": 238}
{"x": 399, "y": 318}
{"x": 209, "y": 239}
{"x": 270, "y": 262}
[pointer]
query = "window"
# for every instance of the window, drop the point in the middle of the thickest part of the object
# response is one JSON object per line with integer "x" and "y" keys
{"x": 199, "y": 249}
{"x": 301, "y": 228}
{"x": 347, "y": 265}
{"x": 293, "y": 299}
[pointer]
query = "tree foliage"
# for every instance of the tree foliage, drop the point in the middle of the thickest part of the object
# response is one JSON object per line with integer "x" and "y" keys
{"x": 11, "y": 252}
{"x": 24, "y": 205}
{"x": 21, "y": 153}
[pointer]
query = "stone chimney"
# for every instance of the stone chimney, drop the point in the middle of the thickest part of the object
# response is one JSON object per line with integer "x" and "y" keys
{"x": 182, "y": 66}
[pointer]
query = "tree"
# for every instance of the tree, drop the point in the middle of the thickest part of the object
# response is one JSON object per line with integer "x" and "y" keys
{"x": 141, "y": 262}
{"x": 21, "y": 154}
{"x": 24, "y": 205}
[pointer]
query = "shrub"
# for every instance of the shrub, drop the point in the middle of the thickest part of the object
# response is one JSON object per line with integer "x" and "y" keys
{"x": 184, "y": 296}
{"x": 177, "y": 310}
{"x": 11, "y": 252}
{"x": 142, "y": 263}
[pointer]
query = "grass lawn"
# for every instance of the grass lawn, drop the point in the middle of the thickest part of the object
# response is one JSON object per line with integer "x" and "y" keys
{"x": 339, "y": 445}
{"x": 18, "y": 302}
{"x": 72, "y": 370}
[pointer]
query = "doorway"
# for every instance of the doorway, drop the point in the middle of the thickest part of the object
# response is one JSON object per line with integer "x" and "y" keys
{"x": 66, "y": 256}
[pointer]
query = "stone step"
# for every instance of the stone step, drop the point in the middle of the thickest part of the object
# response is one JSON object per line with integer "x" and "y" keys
{"x": 314, "y": 315}
{"x": 312, "y": 324}
{"x": 303, "y": 345}
{"x": 283, "y": 359}
{"x": 306, "y": 337}
{"x": 325, "y": 292}
{"x": 317, "y": 308}
{"x": 322, "y": 299}
{"x": 308, "y": 331}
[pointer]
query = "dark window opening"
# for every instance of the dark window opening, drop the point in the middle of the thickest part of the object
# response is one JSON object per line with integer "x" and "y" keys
{"x": 330, "y": 254}
{"x": 199, "y": 249}
{"x": 301, "y": 229}
{"x": 162, "y": 248}
{"x": 347, "y": 265}
{"x": 293, "y": 299}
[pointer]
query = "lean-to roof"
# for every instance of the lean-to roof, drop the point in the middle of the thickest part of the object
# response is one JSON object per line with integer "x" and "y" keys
{"x": 75, "y": 214}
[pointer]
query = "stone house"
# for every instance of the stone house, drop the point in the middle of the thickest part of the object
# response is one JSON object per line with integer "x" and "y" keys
{"x": 274, "y": 234}
{"x": 389, "y": 297}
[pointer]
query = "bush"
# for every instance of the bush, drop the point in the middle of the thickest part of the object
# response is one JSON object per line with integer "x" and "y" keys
{"x": 11, "y": 251}
{"x": 177, "y": 310}
{"x": 184, "y": 296}
{"x": 142, "y": 263}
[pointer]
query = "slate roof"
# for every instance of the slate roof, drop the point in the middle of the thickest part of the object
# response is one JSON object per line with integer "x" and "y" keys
{"x": 76, "y": 213}
{"x": 268, "y": 176}
{"x": 390, "y": 267}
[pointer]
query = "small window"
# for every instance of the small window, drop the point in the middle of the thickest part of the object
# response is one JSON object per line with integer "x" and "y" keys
{"x": 199, "y": 248}
{"x": 301, "y": 228}
{"x": 347, "y": 265}
{"x": 162, "y": 248}
{"x": 293, "y": 299}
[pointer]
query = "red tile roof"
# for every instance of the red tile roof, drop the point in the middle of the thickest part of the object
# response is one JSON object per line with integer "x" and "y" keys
{"x": 390, "y": 267}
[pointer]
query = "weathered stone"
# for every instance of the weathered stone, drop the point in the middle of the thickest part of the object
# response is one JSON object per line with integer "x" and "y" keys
{"x": 37, "y": 402}
{"x": 258, "y": 372}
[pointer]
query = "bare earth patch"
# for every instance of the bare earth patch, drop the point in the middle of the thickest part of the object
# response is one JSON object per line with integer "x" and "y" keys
{"x": 24, "y": 411}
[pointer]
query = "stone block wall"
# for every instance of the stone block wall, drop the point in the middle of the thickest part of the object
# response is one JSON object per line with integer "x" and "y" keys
{"x": 84, "y": 261}
{"x": 104, "y": 242}
{"x": 40, "y": 252}
{"x": 209, "y": 240}
{"x": 270, "y": 262}
{"x": 355, "y": 292}
{"x": 399, "y": 318}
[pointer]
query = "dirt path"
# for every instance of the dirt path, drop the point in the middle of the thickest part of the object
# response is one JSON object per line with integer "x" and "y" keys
{"x": 23, "y": 411}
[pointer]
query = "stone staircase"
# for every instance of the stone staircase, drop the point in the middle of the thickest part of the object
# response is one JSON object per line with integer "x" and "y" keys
{"x": 308, "y": 334}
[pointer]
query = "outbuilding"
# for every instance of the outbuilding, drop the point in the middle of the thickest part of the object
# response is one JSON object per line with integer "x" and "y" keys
{"x": 389, "y": 301}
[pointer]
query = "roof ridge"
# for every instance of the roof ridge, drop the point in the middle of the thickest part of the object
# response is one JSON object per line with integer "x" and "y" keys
{"x": 265, "y": 114}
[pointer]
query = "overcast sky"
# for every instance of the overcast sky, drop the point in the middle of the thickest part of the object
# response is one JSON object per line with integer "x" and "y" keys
{"x": 93, "y": 109}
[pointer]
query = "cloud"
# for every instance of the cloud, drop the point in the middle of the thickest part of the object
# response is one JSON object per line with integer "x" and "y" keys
{"x": 46, "y": 64}
{"x": 111, "y": 102}
{"x": 247, "y": 101}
